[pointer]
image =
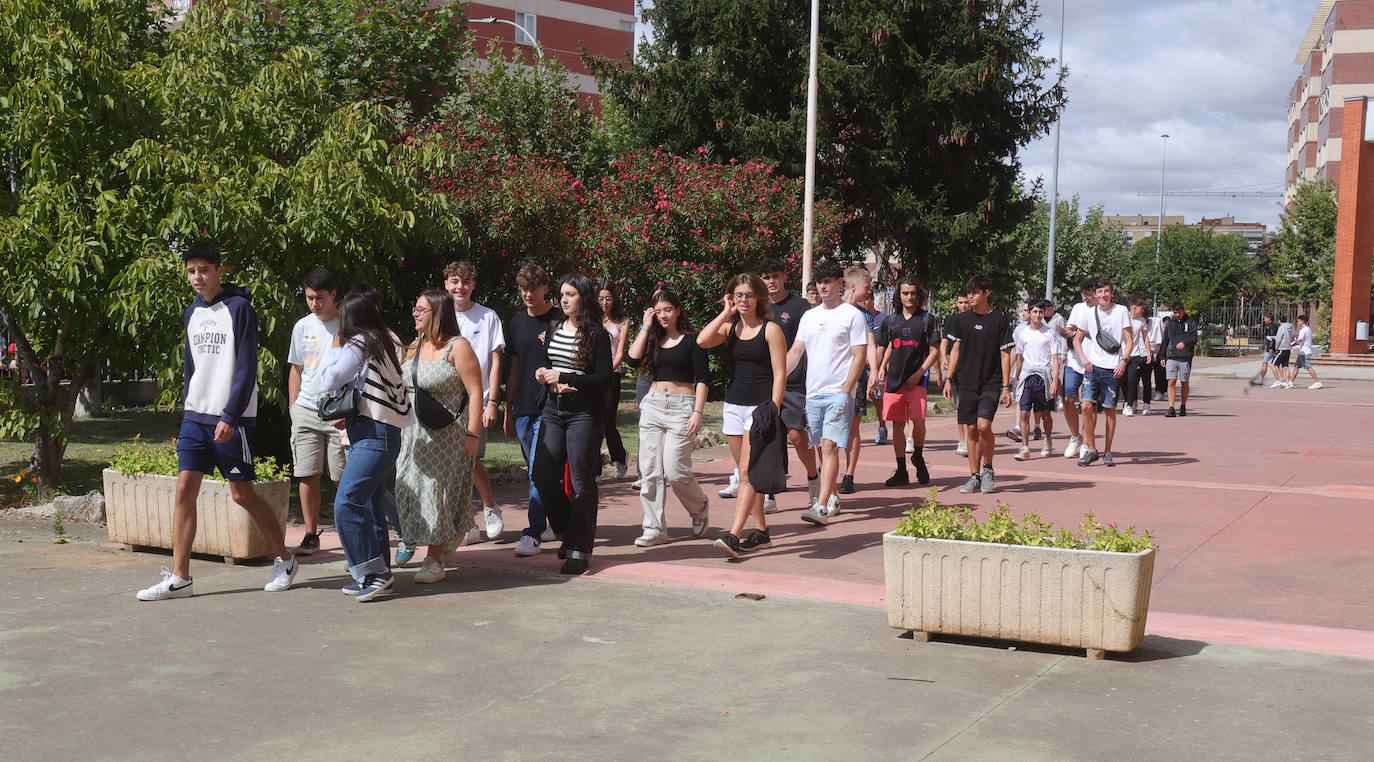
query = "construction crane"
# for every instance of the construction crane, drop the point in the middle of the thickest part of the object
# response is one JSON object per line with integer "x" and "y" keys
{"x": 1216, "y": 194}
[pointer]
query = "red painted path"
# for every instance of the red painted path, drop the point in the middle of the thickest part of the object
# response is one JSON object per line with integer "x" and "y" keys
{"x": 1260, "y": 499}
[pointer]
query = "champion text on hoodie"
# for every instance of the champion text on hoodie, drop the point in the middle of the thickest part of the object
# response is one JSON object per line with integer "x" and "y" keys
{"x": 221, "y": 359}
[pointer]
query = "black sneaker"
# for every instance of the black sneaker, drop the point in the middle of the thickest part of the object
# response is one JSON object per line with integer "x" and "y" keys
{"x": 922, "y": 473}
{"x": 1171, "y": 413}
{"x": 757, "y": 540}
{"x": 846, "y": 485}
{"x": 898, "y": 478}
{"x": 575, "y": 564}
{"x": 1182, "y": 411}
{"x": 1038, "y": 434}
{"x": 727, "y": 546}
{"x": 309, "y": 544}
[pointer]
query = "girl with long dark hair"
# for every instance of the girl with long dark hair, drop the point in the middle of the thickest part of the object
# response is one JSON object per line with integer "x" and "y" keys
{"x": 366, "y": 353}
{"x": 670, "y": 416}
{"x": 618, "y": 328}
{"x": 758, "y": 353}
{"x": 435, "y": 469}
{"x": 575, "y": 370}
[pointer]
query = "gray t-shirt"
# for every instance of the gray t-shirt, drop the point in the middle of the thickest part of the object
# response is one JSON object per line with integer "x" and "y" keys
{"x": 311, "y": 338}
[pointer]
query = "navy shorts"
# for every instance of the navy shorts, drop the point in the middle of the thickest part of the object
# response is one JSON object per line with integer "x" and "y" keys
{"x": 197, "y": 450}
{"x": 1034, "y": 396}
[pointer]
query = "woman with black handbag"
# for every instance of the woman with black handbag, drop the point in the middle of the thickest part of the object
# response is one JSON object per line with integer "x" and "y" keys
{"x": 434, "y": 471}
{"x": 362, "y": 374}
{"x": 575, "y": 371}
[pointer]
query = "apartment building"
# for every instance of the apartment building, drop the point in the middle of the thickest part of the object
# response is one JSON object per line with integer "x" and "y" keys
{"x": 1137, "y": 227}
{"x": 1337, "y": 60}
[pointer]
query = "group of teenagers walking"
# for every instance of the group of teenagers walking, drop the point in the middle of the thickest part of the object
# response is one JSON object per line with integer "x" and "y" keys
{"x": 364, "y": 404}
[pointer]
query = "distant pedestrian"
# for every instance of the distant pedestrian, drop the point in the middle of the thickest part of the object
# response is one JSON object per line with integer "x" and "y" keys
{"x": 670, "y": 416}
{"x": 315, "y": 445}
{"x": 1302, "y": 354}
{"x": 1074, "y": 371}
{"x": 813, "y": 295}
{"x": 1270, "y": 328}
{"x": 1138, "y": 363}
{"x": 859, "y": 292}
{"x": 1180, "y": 341}
{"x": 1283, "y": 345}
{"x": 1103, "y": 343}
{"x": 220, "y": 395}
{"x": 787, "y": 310}
{"x": 618, "y": 328}
{"x": 980, "y": 364}
{"x": 910, "y": 339}
{"x": 1038, "y": 357}
{"x": 526, "y": 332}
{"x": 961, "y": 305}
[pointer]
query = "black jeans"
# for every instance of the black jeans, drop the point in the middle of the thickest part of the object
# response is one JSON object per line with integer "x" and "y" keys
{"x": 569, "y": 433}
{"x": 1158, "y": 367}
{"x": 614, "y": 445}
{"x": 1136, "y": 368}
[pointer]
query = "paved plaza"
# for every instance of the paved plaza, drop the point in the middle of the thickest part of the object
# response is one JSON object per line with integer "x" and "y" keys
{"x": 1260, "y": 640}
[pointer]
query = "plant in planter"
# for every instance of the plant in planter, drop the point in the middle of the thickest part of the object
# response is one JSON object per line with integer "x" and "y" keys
{"x": 140, "y": 498}
{"x": 947, "y": 572}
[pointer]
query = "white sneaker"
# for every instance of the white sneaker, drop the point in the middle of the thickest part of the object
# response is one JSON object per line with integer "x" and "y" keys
{"x": 1276, "y": 385}
{"x": 1129, "y": 411}
{"x": 648, "y": 540}
{"x": 962, "y": 448}
{"x": 1059, "y": 405}
{"x": 548, "y": 535}
{"x": 910, "y": 445}
{"x": 1072, "y": 450}
{"x": 283, "y": 574}
{"x": 171, "y": 586}
{"x": 495, "y": 524}
{"x": 430, "y": 571}
{"x": 1288, "y": 384}
{"x": 637, "y": 485}
{"x": 1022, "y": 454}
{"x": 733, "y": 489}
{"x": 816, "y": 515}
{"x": 770, "y": 504}
{"x": 473, "y": 537}
{"x": 621, "y": 469}
{"x": 1046, "y": 449}
{"x": 703, "y": 522}
{"x": 1315, "y": 385}
{"x": 834, "y": 506}
{"x": 1144, "y": 409}
{"x": 528, "y": 546}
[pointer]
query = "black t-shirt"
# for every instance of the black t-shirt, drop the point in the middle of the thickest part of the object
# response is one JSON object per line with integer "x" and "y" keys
{"x": 525, "y": 343}
{"x": 1269, "y": 331}
{"x": 981, "y": 339}
{"x": 910, "y": 339}
{"x": 787, "y": 314}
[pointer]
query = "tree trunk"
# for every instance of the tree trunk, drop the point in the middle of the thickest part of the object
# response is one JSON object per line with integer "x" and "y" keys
{"x": 47, "y": 461}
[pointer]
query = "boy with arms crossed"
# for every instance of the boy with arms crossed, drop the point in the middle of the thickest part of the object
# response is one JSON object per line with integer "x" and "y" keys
{"x": 221, "y": 401}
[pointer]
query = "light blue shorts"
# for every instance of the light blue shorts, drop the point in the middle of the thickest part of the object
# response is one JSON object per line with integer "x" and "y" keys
{"x": 828, "y": 416}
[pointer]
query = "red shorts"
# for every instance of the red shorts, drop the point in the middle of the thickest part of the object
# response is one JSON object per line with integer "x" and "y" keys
{"x": 909, "y": 405}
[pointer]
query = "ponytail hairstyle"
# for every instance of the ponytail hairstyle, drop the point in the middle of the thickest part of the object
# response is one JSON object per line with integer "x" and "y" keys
{"x": 588, "y": 316}
{"x": 756, "y": 285}
{"x": 657, "y": 333}
{"x": 359, "y": 318}
{"x": 443, "y": 324}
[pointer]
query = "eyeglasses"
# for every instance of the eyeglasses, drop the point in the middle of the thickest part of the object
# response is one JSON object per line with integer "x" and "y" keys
{"x": 421, "y": 311}
{"x": 605, "y": 298}
{"x": 745, "y": 296}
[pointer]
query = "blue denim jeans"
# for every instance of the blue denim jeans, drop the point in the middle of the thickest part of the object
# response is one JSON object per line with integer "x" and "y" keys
{"x": 359, "y": 507}
{"x": 527, "y": 430}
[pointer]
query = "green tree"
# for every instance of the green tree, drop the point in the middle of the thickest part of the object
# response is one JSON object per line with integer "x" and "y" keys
{"x": 923, "y": 107}
{"x": 1084, "y": 246}
{"x": 1195, "y": 266}
{"x": 1305, "y": 262}
{"x": 126, "y": 142}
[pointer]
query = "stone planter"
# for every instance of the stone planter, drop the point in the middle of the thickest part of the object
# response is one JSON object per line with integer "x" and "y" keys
{"x": 138, "y": 513}
{"x": 1087, "y": 599}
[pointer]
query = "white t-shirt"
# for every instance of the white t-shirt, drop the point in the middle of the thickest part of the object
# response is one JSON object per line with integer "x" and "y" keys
{"x": 1304, "y": 340}
{"x": 1137, "y": 331}
{"x": 482, "y": 328}
{"x": 830, "y": 336}
{"x": 1113, "y": 323}
{"x": 311, "y": 338}
{"x": 1037, "y": 348}
{"x": 1081, "y": 312}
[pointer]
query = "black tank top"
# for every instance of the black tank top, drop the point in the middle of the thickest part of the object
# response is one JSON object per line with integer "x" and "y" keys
{"x": 752, "y": 381}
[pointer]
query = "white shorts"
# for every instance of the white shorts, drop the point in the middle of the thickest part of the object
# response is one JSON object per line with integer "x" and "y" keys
{"x": 738, "y": 419}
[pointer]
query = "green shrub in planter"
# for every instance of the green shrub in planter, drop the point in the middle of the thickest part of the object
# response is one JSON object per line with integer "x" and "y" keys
{"x": 137, "y": 456}
{"x": 935, "y": 520}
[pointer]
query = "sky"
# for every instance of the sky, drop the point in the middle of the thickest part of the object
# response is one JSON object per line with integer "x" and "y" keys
{"x": 1212, "y": 74}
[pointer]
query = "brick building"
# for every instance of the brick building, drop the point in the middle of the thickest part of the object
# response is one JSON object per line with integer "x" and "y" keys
{"x": 1137, "y": 227}
{"x": 1337, "y": 60}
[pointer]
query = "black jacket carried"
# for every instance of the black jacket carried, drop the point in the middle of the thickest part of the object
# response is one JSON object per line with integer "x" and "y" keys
{"x": 1176, "y": 331}
{"x": 768, "y": 450}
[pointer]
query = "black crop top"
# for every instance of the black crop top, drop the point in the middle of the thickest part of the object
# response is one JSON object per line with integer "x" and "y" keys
{"x": 684, "y": 362}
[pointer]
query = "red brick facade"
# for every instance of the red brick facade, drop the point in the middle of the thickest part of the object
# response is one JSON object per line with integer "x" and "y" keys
{"x": 1354, "y": 234}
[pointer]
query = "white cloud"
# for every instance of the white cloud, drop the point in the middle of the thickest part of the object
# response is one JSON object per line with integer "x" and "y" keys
{"x": 1213, "y": 74}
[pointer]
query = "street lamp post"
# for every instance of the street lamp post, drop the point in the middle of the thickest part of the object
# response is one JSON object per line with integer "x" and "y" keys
{"x": 809, "y": 194}
{"x": 1159, "y": 234}
{"x": 538, "y": 49}
{"x": 1054, "y": 174}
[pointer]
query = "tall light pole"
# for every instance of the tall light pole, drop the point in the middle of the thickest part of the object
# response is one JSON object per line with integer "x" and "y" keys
{"x": 809, "y": 195}
{"x": 1159, "y": 235}
{"x": 1054, "y": 174}
{"x": 538, "y": 49}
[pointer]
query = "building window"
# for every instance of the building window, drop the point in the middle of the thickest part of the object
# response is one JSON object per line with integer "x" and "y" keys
{"x": 528, "y": 31}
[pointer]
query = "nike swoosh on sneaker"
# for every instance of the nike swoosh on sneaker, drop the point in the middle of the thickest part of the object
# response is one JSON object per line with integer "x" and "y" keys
{"x": 174, "y": 587}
